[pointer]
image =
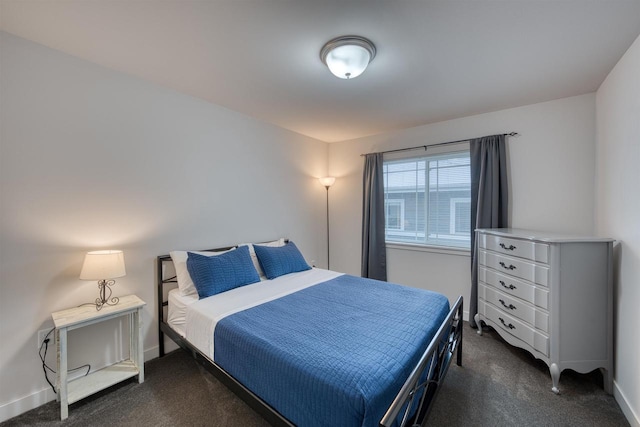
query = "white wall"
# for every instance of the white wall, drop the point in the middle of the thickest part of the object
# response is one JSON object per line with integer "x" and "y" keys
{"x": 92, "y": 159}
{"x": 551, "y": 173}
{"x": 618, "y": 215}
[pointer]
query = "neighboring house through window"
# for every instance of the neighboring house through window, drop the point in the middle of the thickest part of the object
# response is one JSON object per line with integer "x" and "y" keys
{"x": 428, "y": 199}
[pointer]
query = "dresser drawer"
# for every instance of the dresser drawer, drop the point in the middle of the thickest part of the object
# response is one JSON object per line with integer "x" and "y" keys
{"x": 517, "y": 328}
{"x": 515, "y": 307}
{"x": 509, "y": 285}
{"x": 533, "y": 251}
{"x": 515, "y": 267}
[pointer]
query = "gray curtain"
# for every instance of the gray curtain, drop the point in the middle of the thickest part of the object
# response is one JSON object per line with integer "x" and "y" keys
{"x": 489, "y": 198}
{"x": 374, "y": 255}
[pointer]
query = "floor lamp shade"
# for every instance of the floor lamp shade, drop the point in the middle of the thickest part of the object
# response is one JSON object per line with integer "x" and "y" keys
{"x": 327, "y": 181}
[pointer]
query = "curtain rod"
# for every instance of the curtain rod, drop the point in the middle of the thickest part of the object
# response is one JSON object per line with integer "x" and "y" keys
{"x": 435, "y": 145}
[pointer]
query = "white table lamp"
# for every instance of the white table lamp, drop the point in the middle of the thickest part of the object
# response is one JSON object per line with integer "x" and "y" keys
{"x": 103, "y": 266}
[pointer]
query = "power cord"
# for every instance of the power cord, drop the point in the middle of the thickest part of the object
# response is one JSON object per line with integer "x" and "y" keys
{"x": 45, "y": 367}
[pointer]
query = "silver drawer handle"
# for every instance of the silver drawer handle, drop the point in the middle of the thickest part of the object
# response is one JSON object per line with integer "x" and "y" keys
{"x": 510, "y": 267}
{"x": 507, "y": 287}
{"x": 510, "y": 306}
{"x": 510, "y": 326}
{"x": 507, "y": 248}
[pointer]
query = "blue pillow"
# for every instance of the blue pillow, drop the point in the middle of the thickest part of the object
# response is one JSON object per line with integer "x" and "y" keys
{"x": 212, "y": 275}
{"x": 280, "y": 260}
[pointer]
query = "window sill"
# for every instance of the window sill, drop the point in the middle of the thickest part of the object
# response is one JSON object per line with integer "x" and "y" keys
{"x": 434, "y": 249}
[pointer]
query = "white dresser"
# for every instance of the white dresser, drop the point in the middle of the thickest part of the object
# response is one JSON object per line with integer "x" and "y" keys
{"x": 550, "y": 294}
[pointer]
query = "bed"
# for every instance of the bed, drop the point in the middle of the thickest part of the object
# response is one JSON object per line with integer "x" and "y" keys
{"x": 315, "y": 347}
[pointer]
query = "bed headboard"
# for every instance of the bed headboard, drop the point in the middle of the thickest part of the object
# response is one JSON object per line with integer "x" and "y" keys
{"x": 166, "y": 277}
{"x": 163, "y": 263}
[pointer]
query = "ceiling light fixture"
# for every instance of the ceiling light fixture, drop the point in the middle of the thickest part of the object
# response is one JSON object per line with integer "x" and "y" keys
{"x": 348, "y": 56}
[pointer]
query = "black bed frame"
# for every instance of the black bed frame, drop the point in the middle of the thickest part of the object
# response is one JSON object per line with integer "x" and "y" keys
{"x": 415, "y": 397}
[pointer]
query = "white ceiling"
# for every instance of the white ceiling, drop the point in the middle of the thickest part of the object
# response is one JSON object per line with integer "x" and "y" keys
{"x": 436, "y": 60}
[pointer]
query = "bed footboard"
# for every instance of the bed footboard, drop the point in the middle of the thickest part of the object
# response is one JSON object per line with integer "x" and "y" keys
{"x": 416, "y": 397}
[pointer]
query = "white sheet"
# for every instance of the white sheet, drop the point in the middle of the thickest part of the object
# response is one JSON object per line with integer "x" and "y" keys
{"x": 177, "y": 312}
{"x": 203, "y": 315}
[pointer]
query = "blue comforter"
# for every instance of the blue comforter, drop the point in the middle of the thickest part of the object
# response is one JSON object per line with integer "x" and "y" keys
{"x": 334, "y": 354}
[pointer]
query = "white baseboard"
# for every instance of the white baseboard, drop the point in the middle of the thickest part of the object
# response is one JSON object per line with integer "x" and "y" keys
{"x": 39, "y": 398}
{"x": 27, "y": 403}
{"x": 151, "y": 353}
{"x": 625, "y": 406}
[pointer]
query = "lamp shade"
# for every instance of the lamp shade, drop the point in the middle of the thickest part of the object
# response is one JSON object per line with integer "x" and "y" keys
{"x": 348, "y": 56}
{"x": 100, "y": 265}
{"x": 327, "y": 181}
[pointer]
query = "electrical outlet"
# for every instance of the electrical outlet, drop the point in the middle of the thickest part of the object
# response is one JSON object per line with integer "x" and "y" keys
{"x": 42, "y": 334}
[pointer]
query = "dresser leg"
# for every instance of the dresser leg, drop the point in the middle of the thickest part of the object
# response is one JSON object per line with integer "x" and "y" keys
{"x": 476, "y": 318}
{"x": 555, "y": 377}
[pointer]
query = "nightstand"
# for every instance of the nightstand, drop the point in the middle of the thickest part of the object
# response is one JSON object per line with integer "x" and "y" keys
{"x": 78, "y": 317}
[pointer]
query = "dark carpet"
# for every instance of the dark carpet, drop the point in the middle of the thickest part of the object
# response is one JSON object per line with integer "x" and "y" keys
{"x": 498, "y": 385}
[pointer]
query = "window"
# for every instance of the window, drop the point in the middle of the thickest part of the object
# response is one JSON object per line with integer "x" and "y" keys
{"x": 458, "y": 215}
{"x": 428, "y": 200}
{"x": 394, "y": 214}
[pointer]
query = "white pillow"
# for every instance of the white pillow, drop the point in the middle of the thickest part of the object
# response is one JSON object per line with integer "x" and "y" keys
{"x": 185, "y": 284}
{"x": 254, "y": 257}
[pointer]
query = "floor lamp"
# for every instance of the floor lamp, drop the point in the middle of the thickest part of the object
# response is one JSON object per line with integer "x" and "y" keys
{"x": 327, "y": 181}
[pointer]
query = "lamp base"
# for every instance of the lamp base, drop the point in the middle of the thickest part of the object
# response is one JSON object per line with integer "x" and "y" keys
{"x": 103, "y": 286}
